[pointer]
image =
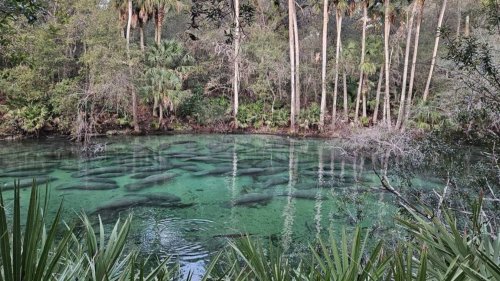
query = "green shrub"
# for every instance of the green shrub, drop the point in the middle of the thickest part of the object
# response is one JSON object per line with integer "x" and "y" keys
{"x": 309, "y": 117}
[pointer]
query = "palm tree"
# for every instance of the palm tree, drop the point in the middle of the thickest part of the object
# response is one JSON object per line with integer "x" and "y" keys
{"x": 365, "y": 4}
{"x": 169, "y": 64}
{"x": 405, "y": 70}
{"x": 144, "y": 15}
{"x": 323, "y": 66}
{"x": 434, "y": 52}
{"x": 159, "y": 8}
{"x": 122, "y": 7}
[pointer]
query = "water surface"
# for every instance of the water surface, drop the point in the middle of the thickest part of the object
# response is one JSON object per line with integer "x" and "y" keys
{"x": 189, "y": 193}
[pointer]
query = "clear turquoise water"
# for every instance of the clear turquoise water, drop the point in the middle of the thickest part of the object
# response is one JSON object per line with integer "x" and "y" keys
{"x": 302, "y": 189}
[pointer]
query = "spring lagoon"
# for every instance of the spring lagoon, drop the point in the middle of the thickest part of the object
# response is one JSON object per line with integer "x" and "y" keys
{"x": 190, "y": 193}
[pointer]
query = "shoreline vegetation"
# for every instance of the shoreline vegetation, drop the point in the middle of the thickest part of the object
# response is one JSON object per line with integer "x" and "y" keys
{"x": 146, "y": 66}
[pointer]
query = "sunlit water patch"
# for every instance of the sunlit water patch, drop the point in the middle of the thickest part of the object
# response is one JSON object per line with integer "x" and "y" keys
{"x": 189, "y": 193}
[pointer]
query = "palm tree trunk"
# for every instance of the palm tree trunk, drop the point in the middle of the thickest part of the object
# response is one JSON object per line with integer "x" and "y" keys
{"x": 134, "y": 96}
{"x": 161, "y": 16}
{"x": 337, "y": 58}
{"x": 297, "y": 63}
{"x": 323, "y": 66}
{"x": 291, "y": 4}
{"x": 236, "y": 57}
{"x": 405, "y": 70}
{"x": 434, "y": 52}
{"x": 387, "y": 31}
{"x": 377, "y": 97}
{"x": 413, "y": 62}
{"x": 362, "y": 61}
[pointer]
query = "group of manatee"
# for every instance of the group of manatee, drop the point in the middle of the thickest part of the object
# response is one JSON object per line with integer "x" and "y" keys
{"x": 155, "y": 166}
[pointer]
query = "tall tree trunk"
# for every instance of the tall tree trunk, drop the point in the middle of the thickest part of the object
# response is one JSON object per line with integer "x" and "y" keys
{"x": 337, "y": 58}
{"x": 141, "y": 34}
{"x": 467, "y": 26}
{"x": 236, "y": 82}
{"x": 323, "y": 66}
{"x": 362, "y": 61}
{"x": 132, "y": 90}
{"x": 346, "y": 109}
{"x": 405, "y": 70}
{"x": 377, "y": 97}
{"x": 365, "y": 90}
{"x": 459, "y": 18}
{"x": 434, "y": 52}
{"x": 160, "y": 119}
{"x": 387, "y": 32}
{"x": 297, "y": 62}
{"x": 291, "y": 32}
{"x": 413, "y": 62}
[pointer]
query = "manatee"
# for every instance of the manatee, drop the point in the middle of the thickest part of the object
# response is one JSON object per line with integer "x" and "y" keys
{"x": 32, "y": 167}
{"x": 162, "y": 200}
{"x": 250, "y": 171}
{"x": 275, "y": 181}
{"x": 40, "y": 181}
{"x": 190, "y": 168}
{"x": 182, "y": 142}
{"x": 274, "y": 170}
{"x": 121, "y": 204}
{"x": 302, "y": 194}
{"x": 215, "y": 172}
{"x": 252, "y": 199}
{"x": 100, "y": 171}
{"x": 133, "y": 164}
{"x": 151, "y": 169}
{"x": 142, "y": 175}
{"x": 25, "y": 174}
{"x": 109, "y": 175}
{"x": 149, "y": 181}
{"x": 88, "y": 186}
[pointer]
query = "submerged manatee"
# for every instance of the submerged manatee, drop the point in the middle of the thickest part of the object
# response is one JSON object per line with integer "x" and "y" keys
{"x": 100, "y": 171}
{"x": 250, "y": 171}
{"x": 159, "y": 200}
{"x": 88, "y": 186}
{"x": 32, "y": 167}
{"x": 25, "y": 174}
{"x": 275, "y": 181}
{"x": 302, "y": 194}
{"x": 252, "y": 199}
{"x": 215, "y": 172}
{"x": 149, "y": 182}
{"x": 40, "y": 181}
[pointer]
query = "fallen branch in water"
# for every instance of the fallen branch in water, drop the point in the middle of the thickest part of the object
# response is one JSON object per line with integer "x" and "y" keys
{"x": 442, "y": 197}
{"x": 402, "y": 200}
